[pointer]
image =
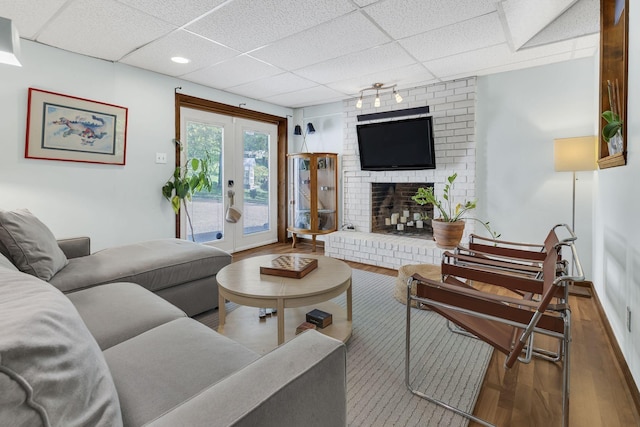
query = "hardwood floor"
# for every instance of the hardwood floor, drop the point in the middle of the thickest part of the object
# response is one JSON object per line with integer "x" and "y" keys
{"x": 530, "y": 395}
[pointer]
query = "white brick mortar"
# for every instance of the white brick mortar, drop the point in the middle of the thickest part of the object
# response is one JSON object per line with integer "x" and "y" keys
{"x": 452, "y": 105}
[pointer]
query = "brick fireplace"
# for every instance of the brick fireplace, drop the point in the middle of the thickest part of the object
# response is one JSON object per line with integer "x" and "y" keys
{"x": 393, "y": 211}
{"x": 452, "y": 105}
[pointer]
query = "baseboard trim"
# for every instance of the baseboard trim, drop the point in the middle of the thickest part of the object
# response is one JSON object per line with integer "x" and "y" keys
{"x": 617, "y": 351}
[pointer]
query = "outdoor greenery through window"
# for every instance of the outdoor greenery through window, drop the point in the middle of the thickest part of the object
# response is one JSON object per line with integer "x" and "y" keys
{"x": 205, "y": 141}
{"x": 208, "y": 208}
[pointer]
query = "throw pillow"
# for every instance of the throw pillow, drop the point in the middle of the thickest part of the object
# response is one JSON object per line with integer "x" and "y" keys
{"x": 31, "y": 245}
{"x": 52, "y": 372}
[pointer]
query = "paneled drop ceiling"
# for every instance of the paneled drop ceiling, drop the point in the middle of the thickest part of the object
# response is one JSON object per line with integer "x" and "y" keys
{"x": 297, "y": 53}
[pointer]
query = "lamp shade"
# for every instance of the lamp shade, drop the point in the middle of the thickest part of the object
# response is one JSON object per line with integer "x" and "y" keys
{"x": 575, "y": 154}
{"x": 9, "y": 43}
{"x": 297, "y": 130}
{"x": 310, "y": 128}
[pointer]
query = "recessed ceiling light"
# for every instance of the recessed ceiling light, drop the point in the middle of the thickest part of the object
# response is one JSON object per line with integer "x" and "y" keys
{"x": 180, "y": 60}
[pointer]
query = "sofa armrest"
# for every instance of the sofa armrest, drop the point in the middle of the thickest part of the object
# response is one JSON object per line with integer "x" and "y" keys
{"x": 75, "y": 247}
{"x": 301, "y": 383}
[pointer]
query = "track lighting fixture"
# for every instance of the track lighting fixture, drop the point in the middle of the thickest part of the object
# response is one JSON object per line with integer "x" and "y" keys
{"x": 378, "y": 87}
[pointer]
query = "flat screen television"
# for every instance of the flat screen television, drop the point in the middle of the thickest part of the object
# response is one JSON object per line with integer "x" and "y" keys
{"x": 397, "y": 145}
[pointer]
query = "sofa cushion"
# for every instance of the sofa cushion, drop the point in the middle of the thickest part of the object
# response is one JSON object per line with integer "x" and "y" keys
{"x": 167, "y": 365}
{"x": 30, "y": 244}
{"x": 155, "y": 265}
{"x": 116, "y": 312}
{"x": 5, "y": 263}
{"x": 51, "y": 369}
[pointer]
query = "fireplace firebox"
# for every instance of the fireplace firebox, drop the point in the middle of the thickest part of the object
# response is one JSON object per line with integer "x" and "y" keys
{"x": 393, "y": 211}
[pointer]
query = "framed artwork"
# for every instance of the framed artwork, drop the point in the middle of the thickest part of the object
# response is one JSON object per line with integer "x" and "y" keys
{"x": 67, "y": 128}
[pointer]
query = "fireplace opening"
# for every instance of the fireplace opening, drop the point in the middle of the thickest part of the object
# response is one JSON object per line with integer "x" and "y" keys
{"x": 393, "y": 211}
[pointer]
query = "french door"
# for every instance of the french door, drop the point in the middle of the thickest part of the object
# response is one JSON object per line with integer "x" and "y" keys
{"x": 240, "y": 211}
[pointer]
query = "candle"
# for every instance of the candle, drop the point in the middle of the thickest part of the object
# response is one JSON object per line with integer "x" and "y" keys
{"x": 387, "y": 221}
{"x": 410, "y": 224}
{"x": 400, "y": 227}
{"x": 419, "y": 224}
{"x": 416, "y": 216}
{"x": 394, "y": 219}
{"x": 403, "y": 219}
{"x": 405, "y": 214}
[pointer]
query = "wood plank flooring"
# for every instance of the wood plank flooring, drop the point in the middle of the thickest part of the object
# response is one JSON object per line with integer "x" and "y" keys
{"x": 530, "y": 395}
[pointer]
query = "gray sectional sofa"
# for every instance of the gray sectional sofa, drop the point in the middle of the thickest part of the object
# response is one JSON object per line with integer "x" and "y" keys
{"x": 112, "y": 354}
{"x": 182, "y": 272}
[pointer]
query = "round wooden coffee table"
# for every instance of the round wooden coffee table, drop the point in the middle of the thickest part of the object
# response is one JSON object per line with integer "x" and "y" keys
{"x": 242, "y": 283}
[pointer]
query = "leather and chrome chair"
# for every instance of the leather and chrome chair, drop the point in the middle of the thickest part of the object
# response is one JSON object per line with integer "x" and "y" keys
{"x": 507, "y": 323}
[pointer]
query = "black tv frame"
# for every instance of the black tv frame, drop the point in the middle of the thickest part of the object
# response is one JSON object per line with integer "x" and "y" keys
{"x": 428, "y": 139}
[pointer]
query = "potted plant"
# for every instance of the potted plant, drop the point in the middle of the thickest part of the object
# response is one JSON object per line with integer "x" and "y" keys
{"x": 612, "y": 131}
{"x": 187, "y": 180}
{"x": 448, "y": 229}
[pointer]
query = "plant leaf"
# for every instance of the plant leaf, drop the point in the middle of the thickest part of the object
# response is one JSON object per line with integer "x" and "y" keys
{"x": 175, "y": 204}
{"x": 610, "y": 130}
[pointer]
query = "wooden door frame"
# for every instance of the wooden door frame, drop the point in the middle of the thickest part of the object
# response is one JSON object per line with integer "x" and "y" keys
{"x": 192, "y": 102}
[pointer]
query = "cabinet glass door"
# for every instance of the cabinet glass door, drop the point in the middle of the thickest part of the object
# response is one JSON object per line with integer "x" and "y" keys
{"x": 326, "y": 191}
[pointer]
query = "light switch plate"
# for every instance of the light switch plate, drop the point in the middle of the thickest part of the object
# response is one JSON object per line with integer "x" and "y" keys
{"x": 161, "y": 158}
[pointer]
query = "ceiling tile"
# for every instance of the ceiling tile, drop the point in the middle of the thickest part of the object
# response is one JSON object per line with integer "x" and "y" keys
{"x": 29, "y": 15}
{"x": 305, "y": 52}
{"x": 461, "y": 37}
{"x": 275, "y": 85}
{"x": 536, "y": 62}
{"x": 175, "y": 12}
{"x": 306, "y": 97}
{"x": 103, "y": 29}
{"x": 381, "y": 58}
{"x": 525, "y": 18}
{"x": 156, "y": 56}
{"x": 247, "y": 24}
{"x": 494, "y": 56}
{"x": 404, "y": 18}
{"x": 581, "y": 19}
{"x": 592, "y": 40}
{"x": 236, "y": 71}
{"x": 344, "y": 35}
{"x": 363, "y": 3}
{"x": 405, "y": 77}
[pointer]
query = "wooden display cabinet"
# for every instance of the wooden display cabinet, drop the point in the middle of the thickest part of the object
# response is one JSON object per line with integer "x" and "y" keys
{"x": 313, "y": 194}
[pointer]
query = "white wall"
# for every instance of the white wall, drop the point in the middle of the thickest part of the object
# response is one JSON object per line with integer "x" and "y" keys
{"x": 111, "y": 204}
{"x": 616, "y": 232}
{"x": 519, "y": 114}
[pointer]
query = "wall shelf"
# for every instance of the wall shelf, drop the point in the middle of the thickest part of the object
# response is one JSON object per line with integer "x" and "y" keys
{"x": 614, "y": 41}
{"x": 612, "y": 161}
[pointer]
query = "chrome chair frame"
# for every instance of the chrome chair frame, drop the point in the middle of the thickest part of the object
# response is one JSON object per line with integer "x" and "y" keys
{"x": 525, "y": 338}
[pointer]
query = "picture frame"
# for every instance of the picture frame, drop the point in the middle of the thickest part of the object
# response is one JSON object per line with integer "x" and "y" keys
{"x": 72, "y": 129}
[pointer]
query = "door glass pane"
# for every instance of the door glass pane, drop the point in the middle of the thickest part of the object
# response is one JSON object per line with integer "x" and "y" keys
{"x": 256, "y": 182}
{"x": 206, "y": 209}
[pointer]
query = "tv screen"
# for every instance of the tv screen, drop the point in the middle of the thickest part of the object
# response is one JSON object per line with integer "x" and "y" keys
{"x": 397, "y": 145}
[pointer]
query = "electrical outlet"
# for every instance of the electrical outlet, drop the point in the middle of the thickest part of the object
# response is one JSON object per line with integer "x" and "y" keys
{"x": 161, "y": 158}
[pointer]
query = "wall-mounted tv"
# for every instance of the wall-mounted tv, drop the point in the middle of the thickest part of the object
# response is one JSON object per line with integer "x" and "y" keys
{"x": 397, "y": 145}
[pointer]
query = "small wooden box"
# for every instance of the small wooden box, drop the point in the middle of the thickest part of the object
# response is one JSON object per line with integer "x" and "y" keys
{"x": 292, "y": 266}
{"x": 320, "y": 318}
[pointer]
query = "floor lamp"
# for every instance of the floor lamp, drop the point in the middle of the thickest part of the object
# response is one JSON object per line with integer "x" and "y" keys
{"x": 572, "y": 155}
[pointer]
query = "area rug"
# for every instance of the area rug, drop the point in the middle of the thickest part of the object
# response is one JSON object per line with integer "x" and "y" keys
{"x": 447, "y": 366}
